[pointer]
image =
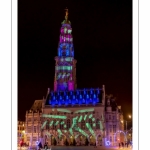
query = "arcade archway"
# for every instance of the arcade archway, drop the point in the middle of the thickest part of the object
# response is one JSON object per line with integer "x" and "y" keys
{"x": 99, "y": 140}
{"x": 92, "y": 140}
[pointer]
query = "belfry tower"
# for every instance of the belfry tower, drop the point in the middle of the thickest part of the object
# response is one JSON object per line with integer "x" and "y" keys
{"x": 65, "y": 66}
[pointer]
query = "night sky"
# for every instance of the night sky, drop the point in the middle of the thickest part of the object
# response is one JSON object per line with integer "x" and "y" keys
{"x": 102, "y": 35}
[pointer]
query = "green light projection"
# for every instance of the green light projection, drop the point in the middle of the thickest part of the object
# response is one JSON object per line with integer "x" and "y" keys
{"x": 75, "y": 120}
{"x": 71, "y": 132}
{"x": 90, "y": 116}
{"x": 81, "y": 131}
{"x": 44, "y": 124}
{"x": 62, "y": 122}
{"x": 51, "y": 123}
{"x": 63, "y": 67}
{"x": 90, "y": 129}
{"x": 54, "y": 116}
{"x": 65, "y": 131}
{"x": 84, "y": 110}
{"x": 93, "y": 119}
{"x": 80, "y": 119}
{"x": 66, "y": 59}
{"x": 94, "y": 124}
{"x": 59, "y": 131}
{"x": 63, "y": 110}
{"x": 101, "y": 126}
{"x": 56, "y": 123}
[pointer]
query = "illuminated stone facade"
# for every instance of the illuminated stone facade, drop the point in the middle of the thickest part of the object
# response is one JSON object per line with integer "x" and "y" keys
{"x": 21, "y": 132}
{"x": 114, "y": 126}
{"x": 71, "y": 116}
{"x": 33, "y": 123}
{"x": 77, "y": 120}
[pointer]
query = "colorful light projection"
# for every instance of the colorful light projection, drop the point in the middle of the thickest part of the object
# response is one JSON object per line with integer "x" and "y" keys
{"x": 80, "y": 119}
{"x": 51, "y": 123}
{"x": 64, "y": 68}
{"x": 119, "y": 133}
{"x": 107, "y": 143}
{"x": 59, "y": 132}
{"x": 101, "y": 126}
{"x": 78, "y": 97}
{"x": 43, "y": 124}
{"x": 90, "y": 129}
{"x": 74, "y": 126}
{"x": 54, "y": 116}
{"x": 63, "y": 110}
{"x": 85, "y": 117}
{"x": 65, "y": 47}
{"x": 65, "y": 59}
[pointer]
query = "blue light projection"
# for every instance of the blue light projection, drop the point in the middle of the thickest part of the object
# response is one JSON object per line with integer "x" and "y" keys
{"x": 65, "y": 49}
{"x": 78, "y": 97}
{"x": 107, "y": 143}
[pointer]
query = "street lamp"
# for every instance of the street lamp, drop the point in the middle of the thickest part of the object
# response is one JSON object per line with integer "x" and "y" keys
{"x": 127, "y": 122}
{"x": 126, "y": 125}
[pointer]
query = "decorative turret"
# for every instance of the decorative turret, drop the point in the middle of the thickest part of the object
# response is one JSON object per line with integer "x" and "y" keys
{"x": 65, "y": 63}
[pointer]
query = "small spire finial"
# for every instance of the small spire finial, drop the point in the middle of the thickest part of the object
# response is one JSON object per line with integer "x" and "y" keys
{"x": 66, "y": 16}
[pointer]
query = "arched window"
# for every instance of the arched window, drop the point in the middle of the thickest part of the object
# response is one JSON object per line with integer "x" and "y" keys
{"x": 68, "y": 123}
{"x": 90, "y": 122}
{"x": 61, "y": 124}
{"x": 110, "y": 138}
{"x": 97, "y": 124}
{"x": 47, "y": 125}
{"x": 83, "y": 125}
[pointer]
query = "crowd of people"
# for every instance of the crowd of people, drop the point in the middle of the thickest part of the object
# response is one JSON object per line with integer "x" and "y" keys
{"x": 122, "y": 144}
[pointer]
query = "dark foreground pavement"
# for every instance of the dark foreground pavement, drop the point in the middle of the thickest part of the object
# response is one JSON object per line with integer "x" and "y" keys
{"x": 78, "y": 148}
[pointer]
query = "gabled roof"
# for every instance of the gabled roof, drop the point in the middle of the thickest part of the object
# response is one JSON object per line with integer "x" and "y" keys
{"x": 37, "y": 105}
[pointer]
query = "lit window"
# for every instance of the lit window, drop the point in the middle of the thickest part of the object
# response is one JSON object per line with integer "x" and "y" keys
{"x": 34, "y": 129}
{"x": 113, "y": 117}
{"x": 110, "y": 128}
{"x": 34, "y": 139}
{"x": 110, "y": 138}
{"x": 29, "y": 119}
{"x": 28, "y": 138}
{"x": 114, "y": 128}
{"x": 35, "y": 119}
{"x": 29, "y": 129}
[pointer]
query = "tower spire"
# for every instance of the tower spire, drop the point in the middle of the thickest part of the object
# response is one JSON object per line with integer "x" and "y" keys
{"x": 66, "y": 16}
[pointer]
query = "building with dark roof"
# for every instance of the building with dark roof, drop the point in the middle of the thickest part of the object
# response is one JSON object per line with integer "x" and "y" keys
{"x": 33, "y": 123}
{"x": 69, "y": 115}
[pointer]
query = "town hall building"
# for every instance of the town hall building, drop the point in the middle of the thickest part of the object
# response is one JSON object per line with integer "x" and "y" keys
{"x": 68, "y": 113}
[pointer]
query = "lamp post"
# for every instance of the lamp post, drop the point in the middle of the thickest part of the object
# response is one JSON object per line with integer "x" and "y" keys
{"x": 125, "y": 122}
{"x": 127, "y": 125}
